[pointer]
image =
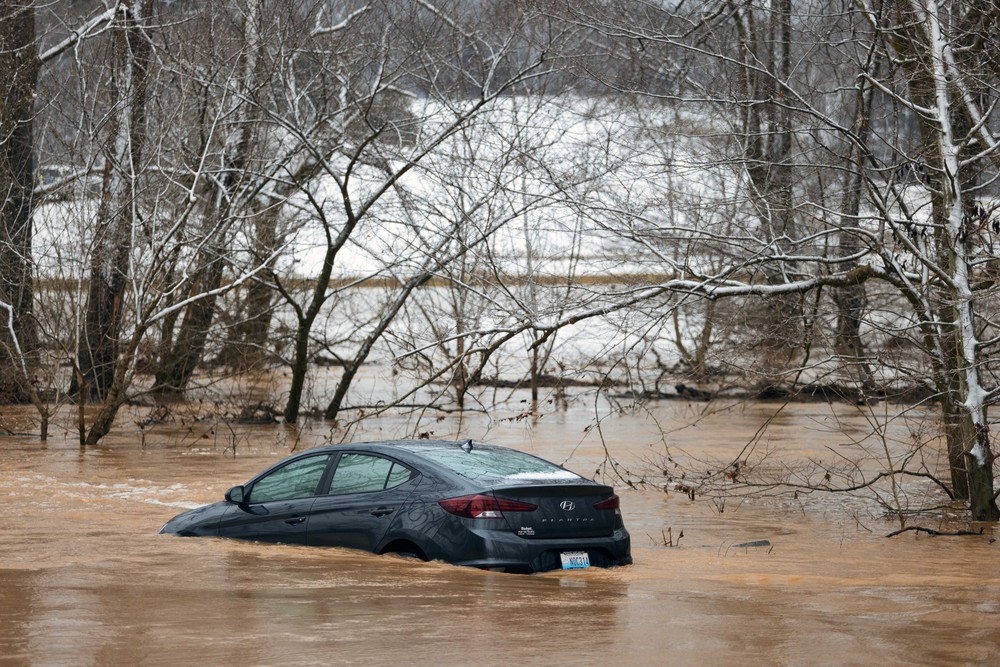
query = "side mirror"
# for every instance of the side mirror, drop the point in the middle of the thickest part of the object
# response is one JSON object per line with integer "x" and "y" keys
{"x": 235, "y": 495}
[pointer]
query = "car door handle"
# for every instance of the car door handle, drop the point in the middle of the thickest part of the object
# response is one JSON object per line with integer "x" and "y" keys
{"x": 295, "y": 520}
{"x": 382, "y": 511}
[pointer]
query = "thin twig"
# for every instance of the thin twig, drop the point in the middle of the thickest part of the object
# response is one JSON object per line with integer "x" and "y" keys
{"x": 935, "y": 533}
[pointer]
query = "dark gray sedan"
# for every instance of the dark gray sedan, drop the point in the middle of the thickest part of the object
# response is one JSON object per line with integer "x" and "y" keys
{"x": 458, "y": 501}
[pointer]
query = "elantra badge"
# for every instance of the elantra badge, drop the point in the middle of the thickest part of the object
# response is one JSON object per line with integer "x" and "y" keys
{"x": 568, "y": 505}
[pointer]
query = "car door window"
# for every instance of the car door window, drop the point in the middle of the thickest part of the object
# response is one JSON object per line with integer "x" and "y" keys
{"x": 298, "y": 479}
{"x": 358, "y": 473}
{"x": 398, "y": 474}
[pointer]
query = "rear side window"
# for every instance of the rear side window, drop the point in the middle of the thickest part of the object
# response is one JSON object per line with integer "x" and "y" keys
{"x": 495, "y": 465}
{"x": 298, "y": 479}
{"x": 359, "y": 473}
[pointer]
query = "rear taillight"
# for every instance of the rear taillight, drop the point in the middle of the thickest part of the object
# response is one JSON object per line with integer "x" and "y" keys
{"x": 611, "y": 503}
{"x": 481, "y": 506}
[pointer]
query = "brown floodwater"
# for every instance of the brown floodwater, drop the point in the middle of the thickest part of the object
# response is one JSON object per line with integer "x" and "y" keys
{"x": 86, "y": 580}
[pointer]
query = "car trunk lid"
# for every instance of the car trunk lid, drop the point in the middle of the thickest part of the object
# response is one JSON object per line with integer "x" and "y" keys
{"x": 562, "y": 510}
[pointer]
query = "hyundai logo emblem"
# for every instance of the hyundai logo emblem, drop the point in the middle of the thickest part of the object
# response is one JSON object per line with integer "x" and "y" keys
{"x": 568, "y": 505}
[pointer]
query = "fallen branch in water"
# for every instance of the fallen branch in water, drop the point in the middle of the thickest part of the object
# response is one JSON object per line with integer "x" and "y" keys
{"x": 935, "y": 533}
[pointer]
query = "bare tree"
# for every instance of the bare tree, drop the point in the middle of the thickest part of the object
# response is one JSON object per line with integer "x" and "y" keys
{"x": 944, "y": 77}
{"x": 18, "y": 81}
{"x": 126, "y": 243}
{"x": 927, "y": 242}
{"x": 117, "y": 215}
{"x": 228, "y": 187}
{"x": 436, "y": 52}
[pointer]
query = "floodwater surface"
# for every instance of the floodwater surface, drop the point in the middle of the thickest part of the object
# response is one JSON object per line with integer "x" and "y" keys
{"x": 86, "y": 580}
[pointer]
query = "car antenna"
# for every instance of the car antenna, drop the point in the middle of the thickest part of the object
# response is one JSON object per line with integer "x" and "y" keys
{"x": 467, "y": 445}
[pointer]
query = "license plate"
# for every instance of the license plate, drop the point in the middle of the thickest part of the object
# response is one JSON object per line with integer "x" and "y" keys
{"x": 572, "y": 560}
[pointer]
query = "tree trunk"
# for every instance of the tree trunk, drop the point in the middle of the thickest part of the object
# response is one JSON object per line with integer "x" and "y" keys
{"x": 958, "y": 320}
{"x": 175, "y": 371}
{"x": 852, "y": 301}
{"x": 300, "y": 364}
{"x": 949, "y": 306}
{"x": 248, "y": 337}
{"x": 767, "y": 137}
{"x": 300, "y": 356}
{"x": 18, "y": 82}
{"x": 110, "y": 261}
{"x": 461, "y": 378}
{"x": 982, "y": 499}
{"x": 177, "y": 367}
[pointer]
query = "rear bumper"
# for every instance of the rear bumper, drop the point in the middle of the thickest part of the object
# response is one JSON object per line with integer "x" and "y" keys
{"x": 503, "y": 550}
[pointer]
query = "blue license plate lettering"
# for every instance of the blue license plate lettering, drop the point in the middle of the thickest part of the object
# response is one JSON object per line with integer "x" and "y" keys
{"x": 573, "y": 560}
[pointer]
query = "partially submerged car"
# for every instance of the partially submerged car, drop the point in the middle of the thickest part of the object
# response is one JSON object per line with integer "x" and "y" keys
{"x": 457, "y": 501}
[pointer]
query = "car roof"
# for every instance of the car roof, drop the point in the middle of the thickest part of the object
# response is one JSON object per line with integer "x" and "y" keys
{"x": 411, "y": 451}
{"x": 414, "y": 446}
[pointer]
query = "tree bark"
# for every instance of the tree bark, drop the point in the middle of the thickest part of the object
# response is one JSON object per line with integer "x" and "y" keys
{"x": 18, "y": 81}
{"x": 966, "y": 425}
{"x": 851, "y": 301}
{"x": 245, "y": 347}
{"x": 98, "y": 353}
{"x": 767, "y": 137}
{"x": 179, "y": 363}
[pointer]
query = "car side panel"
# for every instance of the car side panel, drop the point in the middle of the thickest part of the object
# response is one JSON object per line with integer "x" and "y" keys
{"x": 356, "y": 520}
{"x": 282, "y": 521}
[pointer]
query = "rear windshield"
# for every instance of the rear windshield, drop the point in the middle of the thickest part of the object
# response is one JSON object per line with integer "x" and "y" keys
{"x": 496, "y": 465}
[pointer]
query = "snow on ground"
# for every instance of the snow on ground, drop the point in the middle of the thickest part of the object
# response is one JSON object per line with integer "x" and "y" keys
{"x": 571, "y": 202}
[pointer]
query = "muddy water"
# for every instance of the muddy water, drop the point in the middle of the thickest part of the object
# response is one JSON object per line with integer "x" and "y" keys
{"x": 86, "y": 580}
